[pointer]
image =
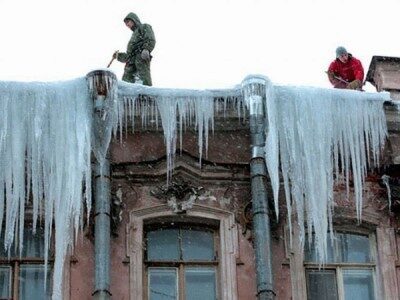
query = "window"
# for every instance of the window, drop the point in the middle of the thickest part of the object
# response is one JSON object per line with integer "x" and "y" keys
{"x": 349, "y": 272}
{"x": 217, "y": 222}
{"x": 181, "y": 262}
{"x": 22, "y": 277}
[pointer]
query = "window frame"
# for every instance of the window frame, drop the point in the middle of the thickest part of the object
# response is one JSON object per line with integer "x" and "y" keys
{"x": 199, "y": 214}
{"x": 180, "y": 265}
{"x": 345, "y": 219}
{"x": 15, "y": 263}
{"x": 339, "y": 267}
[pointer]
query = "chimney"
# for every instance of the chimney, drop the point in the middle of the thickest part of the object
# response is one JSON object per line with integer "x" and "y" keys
{"x": 384, "y": 74}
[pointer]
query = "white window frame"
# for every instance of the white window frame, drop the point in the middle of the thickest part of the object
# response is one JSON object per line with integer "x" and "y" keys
{"x": 228, "y": 245}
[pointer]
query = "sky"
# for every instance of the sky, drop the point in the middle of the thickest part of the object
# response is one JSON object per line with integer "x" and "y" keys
{"x": 202, "y": 44}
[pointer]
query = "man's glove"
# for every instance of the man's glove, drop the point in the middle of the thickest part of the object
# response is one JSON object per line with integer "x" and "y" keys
{"x": 115, "y": 54}
{"x": 354, "y": 85}
{"x": 145, "y": 55}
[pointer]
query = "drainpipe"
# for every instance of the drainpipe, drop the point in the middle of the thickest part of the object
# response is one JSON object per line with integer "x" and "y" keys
{"x": 254, "y": 93}
{"x": 102, "y": 231}
{"x": 100, "y": 82}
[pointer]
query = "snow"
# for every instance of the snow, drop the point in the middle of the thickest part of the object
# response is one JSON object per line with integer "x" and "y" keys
{"x": 314, "y": 138}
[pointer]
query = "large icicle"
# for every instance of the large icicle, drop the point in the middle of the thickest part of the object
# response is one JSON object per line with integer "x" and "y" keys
{"x": 320, "y": 132}
{"x": 106, "y": 118}
{"x": 199, "y": 110}
{"x": 45, "y": 143}
{"x": 45, "y": 137}
{"x": 312, "y": 134}
{"x": 178, "y": 109}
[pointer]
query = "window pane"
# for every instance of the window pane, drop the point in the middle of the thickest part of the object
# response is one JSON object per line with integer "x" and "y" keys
{"x": 3, "y": 253}
{"x": 358, "y": 285}
{"x": 200, "y": 284}
{"x": 163, "y": 284}
{"x": 197, "y": 245}
{"x": 5, "y": 282}
{"x": 310, "y": 251}
{"x": 31, "y": 282}
{"x": 321, "y": 284}
{"x": 354, "y": 248}
{"x": 33, "y": 245}
{"x": 163, "y": 244}
{"x": 346, "y": 248}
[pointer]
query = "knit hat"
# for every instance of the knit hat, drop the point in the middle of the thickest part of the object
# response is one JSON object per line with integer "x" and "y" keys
{"x": 340, "y": 51}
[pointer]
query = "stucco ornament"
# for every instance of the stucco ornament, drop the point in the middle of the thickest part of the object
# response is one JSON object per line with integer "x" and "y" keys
{"x": 117, "y": 208}
{"x": 392, "y": 185}
{"x": 180, "y": 195}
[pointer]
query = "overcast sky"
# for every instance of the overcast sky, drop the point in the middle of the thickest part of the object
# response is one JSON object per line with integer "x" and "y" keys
{"x": 200, "y": 44}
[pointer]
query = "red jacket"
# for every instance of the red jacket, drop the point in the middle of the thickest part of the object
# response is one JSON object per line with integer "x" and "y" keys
{"x": 349, "y": 71}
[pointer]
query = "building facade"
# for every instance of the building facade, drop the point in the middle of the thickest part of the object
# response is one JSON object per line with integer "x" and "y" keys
{"x": 189, "y": 233}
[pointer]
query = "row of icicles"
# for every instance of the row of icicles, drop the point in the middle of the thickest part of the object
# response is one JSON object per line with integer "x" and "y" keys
{"x": 48, "y": 133}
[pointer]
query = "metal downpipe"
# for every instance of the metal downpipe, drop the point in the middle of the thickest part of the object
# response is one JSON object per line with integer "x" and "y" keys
{"x": 254, "y": 91}
{"x": 102, "y": 231}
{"x": 100, "y": 82}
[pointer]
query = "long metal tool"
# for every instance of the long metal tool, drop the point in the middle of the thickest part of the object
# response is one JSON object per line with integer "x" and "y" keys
{"x": 111, "y": 61}
{"x": 338, "y": 78}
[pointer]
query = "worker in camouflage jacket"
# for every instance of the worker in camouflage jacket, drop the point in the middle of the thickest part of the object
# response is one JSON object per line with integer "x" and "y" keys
{"x": 138, "y": 54}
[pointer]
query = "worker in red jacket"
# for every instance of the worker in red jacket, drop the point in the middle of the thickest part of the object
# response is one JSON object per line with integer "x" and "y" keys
{"x": 346, "y": 71}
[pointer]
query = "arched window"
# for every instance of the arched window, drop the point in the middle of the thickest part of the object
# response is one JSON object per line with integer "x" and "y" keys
{"x": 178, "y": 256}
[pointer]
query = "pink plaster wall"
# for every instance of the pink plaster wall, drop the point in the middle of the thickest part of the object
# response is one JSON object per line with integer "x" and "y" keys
{"x": 82, "y": 270}
{"x": 224, "y": 148}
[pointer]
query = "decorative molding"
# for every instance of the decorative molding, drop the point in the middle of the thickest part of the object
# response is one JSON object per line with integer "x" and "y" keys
{"x": 228, "y": 245}
{"x": 185, "y": 166}
{"x": 245, "y": 219}
{"x": 116, "y": 210}
{"x": 180, "y": 194}
{"x": 392, "y": 187}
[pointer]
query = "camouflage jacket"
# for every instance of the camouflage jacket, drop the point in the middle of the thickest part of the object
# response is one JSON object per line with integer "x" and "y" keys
{"x": 142, "y": 38}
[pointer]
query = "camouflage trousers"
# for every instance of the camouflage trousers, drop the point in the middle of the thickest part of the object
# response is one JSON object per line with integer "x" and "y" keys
{"x": 137, "y": 71}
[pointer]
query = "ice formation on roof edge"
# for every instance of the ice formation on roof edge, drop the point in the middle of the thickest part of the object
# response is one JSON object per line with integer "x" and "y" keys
{"x": 45, "y": 158}
{"x": 324, "y": 137}
{"x": 42, "y": 118}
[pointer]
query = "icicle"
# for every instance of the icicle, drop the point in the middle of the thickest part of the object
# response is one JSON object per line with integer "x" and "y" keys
{"x": 312, "y": 133}
{"x": 272, "y": 146}
{"x": 108, "y": 113}
{"x": 313, "y": 129}
{"x": 178, "y": 108}
{"x": 204, "y": 116}
{"x": 385, "y": 180}
{"x": 171, "y": 109}
{"x": 167, "y": 108}
{"x": 45, "y": 137}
